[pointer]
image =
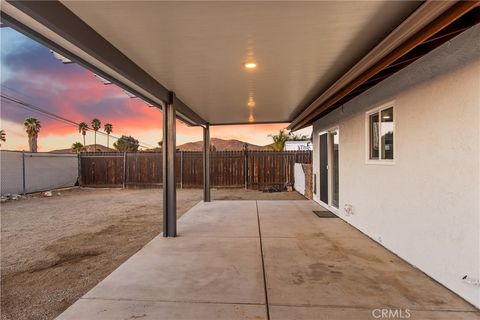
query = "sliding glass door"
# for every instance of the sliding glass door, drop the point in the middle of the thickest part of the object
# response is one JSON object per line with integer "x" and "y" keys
{"x": 329, "y": 167}
{"x": 334, "y": 166}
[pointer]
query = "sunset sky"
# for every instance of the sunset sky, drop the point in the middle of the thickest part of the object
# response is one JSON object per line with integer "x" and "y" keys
{"x": 30, "y": 73}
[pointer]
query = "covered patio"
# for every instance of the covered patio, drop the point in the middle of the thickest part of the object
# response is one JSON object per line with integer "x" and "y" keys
{"x": 266, "y": 260}
{"x": 227, "y": 63}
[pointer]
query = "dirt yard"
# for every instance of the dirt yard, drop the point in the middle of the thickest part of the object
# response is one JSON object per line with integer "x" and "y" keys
{"x": 55, "y": 249}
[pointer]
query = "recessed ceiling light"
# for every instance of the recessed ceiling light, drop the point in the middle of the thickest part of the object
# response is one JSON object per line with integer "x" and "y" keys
{"x": 251, "y": 103}
{"x": 250, "y": 65}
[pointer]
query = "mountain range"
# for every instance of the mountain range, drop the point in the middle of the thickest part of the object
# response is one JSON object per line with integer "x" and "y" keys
{"x": 219, "y": 144}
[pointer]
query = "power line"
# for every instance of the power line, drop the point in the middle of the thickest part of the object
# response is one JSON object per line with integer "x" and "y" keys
{"x": 16, "y": 91}
{"x": 53, "y": 116}
{"x": 27, "y": 106}
{"x": 31, "y": 110}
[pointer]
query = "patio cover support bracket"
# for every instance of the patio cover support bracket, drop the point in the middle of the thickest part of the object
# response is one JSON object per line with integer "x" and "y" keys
{"x": 206, "y": 163}
{"x": 169, "y": 186}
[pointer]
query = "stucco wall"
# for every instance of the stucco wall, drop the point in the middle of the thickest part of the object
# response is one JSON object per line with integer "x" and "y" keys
{"x": 425, "y": 207}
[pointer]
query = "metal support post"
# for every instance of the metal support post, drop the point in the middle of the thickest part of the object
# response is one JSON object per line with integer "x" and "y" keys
{"x": 206, "y": 163}
{"x": 169, "y": 187}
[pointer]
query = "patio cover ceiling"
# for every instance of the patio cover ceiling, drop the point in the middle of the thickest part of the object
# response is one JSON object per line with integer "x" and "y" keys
{"x": 197, "y": 49}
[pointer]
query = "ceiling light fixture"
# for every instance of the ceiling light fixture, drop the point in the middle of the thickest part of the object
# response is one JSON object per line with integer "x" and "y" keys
{"x": 250, "y": 65}
{"x": 251, "y": 103}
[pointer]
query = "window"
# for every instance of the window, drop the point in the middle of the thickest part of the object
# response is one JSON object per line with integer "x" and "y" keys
{"x": 380, "y": 134}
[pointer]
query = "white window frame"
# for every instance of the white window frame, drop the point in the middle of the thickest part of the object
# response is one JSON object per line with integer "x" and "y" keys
{"x": 379, "y": 109}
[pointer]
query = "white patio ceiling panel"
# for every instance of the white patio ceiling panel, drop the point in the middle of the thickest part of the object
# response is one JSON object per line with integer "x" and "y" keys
{"x": 197, "y": 48}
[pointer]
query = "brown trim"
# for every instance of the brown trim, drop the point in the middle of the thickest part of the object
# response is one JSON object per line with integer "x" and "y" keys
{"x": 58, "y": 18}
{"x": 430, "y": 37}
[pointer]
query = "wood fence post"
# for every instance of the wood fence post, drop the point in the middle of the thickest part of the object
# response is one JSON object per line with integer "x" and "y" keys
{"x": 245, "y": 170}
{"x": 124, "y": 170}
{"x": 181, "y": 169}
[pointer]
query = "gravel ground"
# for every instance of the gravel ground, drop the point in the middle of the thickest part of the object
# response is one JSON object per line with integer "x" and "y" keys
{"x": 55, "y": 249}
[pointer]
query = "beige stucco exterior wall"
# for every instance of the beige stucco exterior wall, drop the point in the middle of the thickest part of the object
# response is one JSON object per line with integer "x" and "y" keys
{"x": 425, "y": 207}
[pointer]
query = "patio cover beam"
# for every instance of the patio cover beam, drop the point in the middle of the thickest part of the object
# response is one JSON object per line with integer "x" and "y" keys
{"x": 60, "y": 20}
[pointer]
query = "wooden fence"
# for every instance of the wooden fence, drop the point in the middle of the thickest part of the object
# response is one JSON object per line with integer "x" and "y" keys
{"x": 250, "y": 169}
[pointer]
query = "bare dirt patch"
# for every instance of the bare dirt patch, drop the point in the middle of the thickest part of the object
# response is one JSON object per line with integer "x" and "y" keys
{"x": 56, "y": 249}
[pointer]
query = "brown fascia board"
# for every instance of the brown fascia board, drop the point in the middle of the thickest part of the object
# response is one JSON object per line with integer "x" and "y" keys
{"x": 419, "y": 27}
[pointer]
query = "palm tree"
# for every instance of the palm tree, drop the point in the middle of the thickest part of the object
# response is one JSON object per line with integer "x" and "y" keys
{"x": 77, "y": 147}
{"x": 3, "y": 136}
{"x": 32, "y": 126}
{"x": 108, "y": 128}
{"x": 95, "y": 126}
{"x": 82, "y": 128}
{"x": 279, "y": 140}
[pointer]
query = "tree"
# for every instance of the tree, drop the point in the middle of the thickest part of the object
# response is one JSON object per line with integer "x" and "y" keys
{"x": 96, "y": 124}
{"x": 82, "y": 128}
{"x": 108, "y": 128}
{"x": 279, "y": 140}
{"x": 3, "y": 136}
{"x": 77, "y": 147}
{"x": 32, "y": 127}
{"x": 126, "y": 144}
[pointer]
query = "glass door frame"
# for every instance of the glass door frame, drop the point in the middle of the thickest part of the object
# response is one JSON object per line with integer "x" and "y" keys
{"x": 331, "y": 186}
{"x": 330, "y": 158}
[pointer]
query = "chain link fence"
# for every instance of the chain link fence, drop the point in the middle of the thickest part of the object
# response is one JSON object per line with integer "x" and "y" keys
{"x": 27, "y": 172}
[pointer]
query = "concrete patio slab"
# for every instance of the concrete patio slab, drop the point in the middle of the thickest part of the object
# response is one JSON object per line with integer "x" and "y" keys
{"x": 221, "y": 219}
{"x": 312, "y": 268}
{"x": 349, "y": 273}
{"x": 94, "y": 309}
{"x": 342, "y": 313}
{"x": 188, "y": 269}
{"x": 293, "y": 219}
